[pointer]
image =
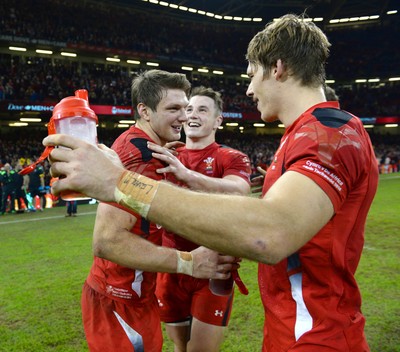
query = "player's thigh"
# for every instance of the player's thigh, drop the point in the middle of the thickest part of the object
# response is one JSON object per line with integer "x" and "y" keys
{"x": 205, "y": 337}
{"x": 210, "y": 308}
{"x": 179, "y": 334}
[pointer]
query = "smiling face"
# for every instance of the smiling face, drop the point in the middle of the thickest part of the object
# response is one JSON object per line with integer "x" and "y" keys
{"x": 203, "y": 119}
{"x": 264, "y": 91}
{"x": 165, "y": 123}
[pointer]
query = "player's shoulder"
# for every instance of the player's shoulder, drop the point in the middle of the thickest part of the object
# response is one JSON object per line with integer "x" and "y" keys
{"x": 227, "y": 150}
{"x": 332, "y": 117}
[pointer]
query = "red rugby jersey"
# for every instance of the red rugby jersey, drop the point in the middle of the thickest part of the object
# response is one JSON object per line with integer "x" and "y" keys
{"x": 113, "y": 280}
{"x": 214, "y": 161}
{"x": 311, "y": 299}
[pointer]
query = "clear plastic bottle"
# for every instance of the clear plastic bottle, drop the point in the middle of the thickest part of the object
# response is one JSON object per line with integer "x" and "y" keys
{"x": 73, "y": 116}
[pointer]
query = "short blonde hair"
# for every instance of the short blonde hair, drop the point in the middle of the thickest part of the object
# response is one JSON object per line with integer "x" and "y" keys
{"x": 301, "y": 46}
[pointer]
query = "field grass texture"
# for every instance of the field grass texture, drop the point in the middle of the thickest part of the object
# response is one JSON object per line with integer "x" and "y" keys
{"x": 45, "y": 258}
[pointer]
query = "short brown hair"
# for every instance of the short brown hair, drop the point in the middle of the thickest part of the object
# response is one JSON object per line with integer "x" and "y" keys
{"x": 302, "y": 47}
{"x": 149, "y": 87}
{"x": 211, "y": 93}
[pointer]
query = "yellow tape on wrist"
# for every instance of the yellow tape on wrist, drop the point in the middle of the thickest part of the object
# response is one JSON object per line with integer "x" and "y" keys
{"x": 185, "y": 263}
{"x": 135, "y": 192}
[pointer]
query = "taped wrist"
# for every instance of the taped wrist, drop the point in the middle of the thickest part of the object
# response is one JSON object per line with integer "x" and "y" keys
{"x": 185, "y": 263}
{"x": 135, "y": 192}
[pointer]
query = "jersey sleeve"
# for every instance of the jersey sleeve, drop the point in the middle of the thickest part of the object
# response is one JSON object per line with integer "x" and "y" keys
{"x": 331, "y": 157}
{"x": 236, "y": 163}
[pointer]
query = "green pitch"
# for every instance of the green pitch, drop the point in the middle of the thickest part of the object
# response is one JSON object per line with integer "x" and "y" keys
{"x": 45, "y": 258}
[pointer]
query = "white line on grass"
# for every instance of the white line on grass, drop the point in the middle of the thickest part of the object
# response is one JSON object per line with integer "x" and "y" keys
{"x": 388, "y": 178}
{"x": 40, "y": 219}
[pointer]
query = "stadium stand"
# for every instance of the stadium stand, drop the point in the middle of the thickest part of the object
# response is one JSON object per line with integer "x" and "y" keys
{"x": 100, "y": 28}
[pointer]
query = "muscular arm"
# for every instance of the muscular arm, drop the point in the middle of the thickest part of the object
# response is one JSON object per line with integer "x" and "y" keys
{"x": 113, "y": 241}
{"x": 265, "y": 230}
{"x": 196, "y": 181}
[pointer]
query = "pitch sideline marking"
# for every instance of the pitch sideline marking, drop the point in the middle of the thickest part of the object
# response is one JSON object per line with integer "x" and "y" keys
{"x": 44, "y": 218}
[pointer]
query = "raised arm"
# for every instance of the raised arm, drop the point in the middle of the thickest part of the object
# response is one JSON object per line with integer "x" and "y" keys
{"x": 196, "y": 181}
{"x": 266, "y": 230}
{"x": 112, "y": 240}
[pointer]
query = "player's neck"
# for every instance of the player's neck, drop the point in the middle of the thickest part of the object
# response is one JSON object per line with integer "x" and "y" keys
{"x": 199, "y": 143}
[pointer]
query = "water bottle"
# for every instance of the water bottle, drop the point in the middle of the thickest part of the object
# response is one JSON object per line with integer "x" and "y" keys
{"x": 73, "y": 116}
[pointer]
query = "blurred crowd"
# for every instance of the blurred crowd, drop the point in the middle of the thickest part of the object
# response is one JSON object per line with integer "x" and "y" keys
{"x": 16, "y": 152}
{"x": 37, "y": 79}
{"x": 364, "y": 52}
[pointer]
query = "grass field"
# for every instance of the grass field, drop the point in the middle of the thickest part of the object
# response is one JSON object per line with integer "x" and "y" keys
{"x": 45, "y": 258}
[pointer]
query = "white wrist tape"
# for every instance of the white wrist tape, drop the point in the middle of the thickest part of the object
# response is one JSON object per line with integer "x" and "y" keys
{"x": 185, "y": 263}
{"x": 135, "y": 192}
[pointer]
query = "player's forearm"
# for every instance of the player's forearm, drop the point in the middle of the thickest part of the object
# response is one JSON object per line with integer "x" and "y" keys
{"x": 131, "y": 251}
{"x": 234, "y": 225}
{"x": 198, "y": 182}
{"x": 229, "y": 224}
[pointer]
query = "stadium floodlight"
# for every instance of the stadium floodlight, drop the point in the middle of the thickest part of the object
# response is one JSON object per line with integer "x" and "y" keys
{"x": 133, "y": 62}
{"x": 192, "y": 10}
{"x": 122, "y": 125}
{"x": 129, "y": 122}
{"x": 244, "y": 75}
{"x": 173, "y": 6}
{"x": 281, "y": 125}
{"x": 246, "y": 19}
{"x": 392, "y": 79}
{"x": 16, "y": 48}
{"x": 368, "y": 126}
{"x": 163, "y": 3}
{"x": 360, "y": 80}
{"x": 372, "y": 80}
{"x": 183, "y": 8}
{"x": 237, "y": 18}
{"x": 218, "y": 17}
{"x": 187, "y": 68}
{"x": 155, "y": 64}
{"x": 391, "y": 12}
{"x": 257, "y": 19}
{"x": 318, "y": 19}
{"x": 201, "y": 12}
{"x": 41, "y": 51}
{"x": 391, "y": 125}
{"x": 113, "y": 59}
{"x": 18, "y": 124}
{"x": 232, "y": 124}
{"x": 374, "y": 17}
{"x": 30, "y": 119}
{"x": 216, "y": 72}
{"x": 220, "y": 127}
{"x": 64, "y": 53}
{"x": 210, "y": 14}
{"x": 203, "y": 70}
{"x": 229, "y": 18}
{"x": 258, "y": 124}
{"x": 154, "y": 1}
{"x": 335, "y": 20}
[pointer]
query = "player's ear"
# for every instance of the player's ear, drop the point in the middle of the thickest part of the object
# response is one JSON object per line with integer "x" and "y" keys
{"x": 218, "y": 121}
{"x": 143, "y": 111}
